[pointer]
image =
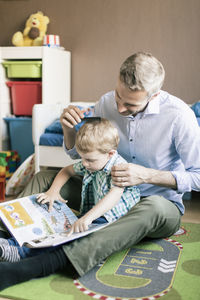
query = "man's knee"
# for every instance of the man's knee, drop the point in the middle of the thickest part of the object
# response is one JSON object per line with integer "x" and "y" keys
{"x": 155, "y": 205}
{"x": 40, "y": 182}
{"x": 46, "y": 175}
{"x": 164, "y": 215}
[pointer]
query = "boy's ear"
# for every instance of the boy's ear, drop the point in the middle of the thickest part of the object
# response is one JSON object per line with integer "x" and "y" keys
{"x": 111, "y": 153}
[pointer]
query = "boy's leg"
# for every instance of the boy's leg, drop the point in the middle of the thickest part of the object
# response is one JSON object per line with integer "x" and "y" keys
{"x": 42, "y": 181}
{"x": 10, "y": 250}
{"x": 4, "y": 234}
{"x": 29, "y": 268}
{"x": 153, "y": 216}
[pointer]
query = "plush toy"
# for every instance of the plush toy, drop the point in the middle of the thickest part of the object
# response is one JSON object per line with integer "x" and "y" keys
{"x": 35, "y": 30}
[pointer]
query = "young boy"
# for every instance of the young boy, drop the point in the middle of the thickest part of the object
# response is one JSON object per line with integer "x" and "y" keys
{"x": 96, "y": 143}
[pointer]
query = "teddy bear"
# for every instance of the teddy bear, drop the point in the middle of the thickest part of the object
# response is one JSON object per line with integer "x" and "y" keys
{"x": 34, "y": 31}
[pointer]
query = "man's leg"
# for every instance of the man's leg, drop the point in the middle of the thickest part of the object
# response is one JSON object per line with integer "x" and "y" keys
{"x": 153, "y": 216}
{"x": 42, "y": 181}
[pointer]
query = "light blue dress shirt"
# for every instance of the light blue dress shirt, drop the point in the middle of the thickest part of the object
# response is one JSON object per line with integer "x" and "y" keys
{"x": 165, "y": 136}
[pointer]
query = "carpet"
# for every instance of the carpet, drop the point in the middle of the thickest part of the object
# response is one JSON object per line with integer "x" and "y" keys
{"x": 166, "y": 268}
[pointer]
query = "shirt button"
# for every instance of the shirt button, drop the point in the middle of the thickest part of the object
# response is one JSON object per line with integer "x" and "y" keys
{"x": 133, "y": 157}
{"x": 131, "y": 140}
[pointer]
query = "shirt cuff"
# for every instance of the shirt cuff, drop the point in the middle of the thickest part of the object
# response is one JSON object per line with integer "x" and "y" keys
{"x": 72, "y": 152}
{"x": 182, "y": 181}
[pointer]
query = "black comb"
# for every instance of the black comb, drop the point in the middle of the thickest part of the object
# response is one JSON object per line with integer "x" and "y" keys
{"x": 91, "y": 119}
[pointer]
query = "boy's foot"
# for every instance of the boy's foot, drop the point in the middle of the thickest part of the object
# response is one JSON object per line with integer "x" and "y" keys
{"x": 8, "y": 252}
{"x": 4, "y": 242}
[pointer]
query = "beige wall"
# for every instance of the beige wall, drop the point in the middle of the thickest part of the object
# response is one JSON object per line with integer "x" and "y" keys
{"x": 102, "y": 33}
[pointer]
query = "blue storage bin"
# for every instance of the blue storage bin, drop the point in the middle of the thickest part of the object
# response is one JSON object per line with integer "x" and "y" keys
{"x": 20, "y": 132}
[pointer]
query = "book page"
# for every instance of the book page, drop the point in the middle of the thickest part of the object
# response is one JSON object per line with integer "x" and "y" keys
{"x": 28, "y": 220}
{"x": 62, "y": 237}
{"x": 34, "y": 226}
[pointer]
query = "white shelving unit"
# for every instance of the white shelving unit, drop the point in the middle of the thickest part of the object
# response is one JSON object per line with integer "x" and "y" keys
{"x": 56, "y": 79}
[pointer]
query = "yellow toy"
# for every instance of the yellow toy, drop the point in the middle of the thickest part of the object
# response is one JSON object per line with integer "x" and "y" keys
{"x": 35, "y": 30}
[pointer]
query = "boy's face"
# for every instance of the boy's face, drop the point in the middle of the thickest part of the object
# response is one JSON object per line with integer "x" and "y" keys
{"x": 95, "y": 160}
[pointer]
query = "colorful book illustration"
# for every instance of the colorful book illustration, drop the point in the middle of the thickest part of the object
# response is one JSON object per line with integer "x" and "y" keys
{"x": 34, "y": 226}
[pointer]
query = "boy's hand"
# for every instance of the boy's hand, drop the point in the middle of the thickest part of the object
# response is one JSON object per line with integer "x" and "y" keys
{"x": 80, "y": 225}
{"x": 49, "y": 198}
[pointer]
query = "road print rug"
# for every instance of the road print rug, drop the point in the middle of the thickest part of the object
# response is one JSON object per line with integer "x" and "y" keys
{"x": 168, "y": 269}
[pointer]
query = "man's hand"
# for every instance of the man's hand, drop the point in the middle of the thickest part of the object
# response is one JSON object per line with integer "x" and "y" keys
{"x": 132, "y": 174}
{"x": 71, "y": 116}
{"x": 80, "y": 225}
{"x": 128, "y": 174}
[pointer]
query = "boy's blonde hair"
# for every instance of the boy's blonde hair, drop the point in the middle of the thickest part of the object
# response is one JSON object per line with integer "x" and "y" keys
{"x": 99, "y": 135}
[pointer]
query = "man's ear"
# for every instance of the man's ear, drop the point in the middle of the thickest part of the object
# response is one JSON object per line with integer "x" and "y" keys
{"x": 111, "y": 153}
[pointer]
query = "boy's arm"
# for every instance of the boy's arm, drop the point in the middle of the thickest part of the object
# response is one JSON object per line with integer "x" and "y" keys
{"x": 104, "y": 205}
{"x": 63, "y": 175}
{"x": 53, "y": 192}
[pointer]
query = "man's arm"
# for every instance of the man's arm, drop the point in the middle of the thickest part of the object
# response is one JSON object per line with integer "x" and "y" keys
{"x": 186, "y": 141}
{"x": 104, "y": 205}
{"x": 132, "y": 174}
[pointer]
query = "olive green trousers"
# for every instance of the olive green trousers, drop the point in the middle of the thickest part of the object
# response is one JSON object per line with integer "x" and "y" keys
{"x": 153, "y": 217}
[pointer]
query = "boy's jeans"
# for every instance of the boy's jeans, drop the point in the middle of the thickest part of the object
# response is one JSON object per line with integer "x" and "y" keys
{"x": 28, "y": 252}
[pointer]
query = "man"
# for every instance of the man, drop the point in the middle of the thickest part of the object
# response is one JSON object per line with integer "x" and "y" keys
{"x": 160, "y": 138}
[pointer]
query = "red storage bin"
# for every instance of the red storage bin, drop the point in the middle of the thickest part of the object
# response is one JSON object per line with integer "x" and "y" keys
{"x": 24, "y": 94}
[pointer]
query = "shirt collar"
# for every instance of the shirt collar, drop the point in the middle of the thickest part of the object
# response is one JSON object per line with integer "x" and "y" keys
{"x": 110, "y": 163}
{"x": 107, "y": 167}
{"x": 153, "y": 107}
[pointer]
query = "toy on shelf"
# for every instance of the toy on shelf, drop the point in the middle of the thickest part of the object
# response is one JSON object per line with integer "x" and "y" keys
{"x": 34, "y": 32}
{"x": 9, "y": 162}
{"x": 51, "y": 40}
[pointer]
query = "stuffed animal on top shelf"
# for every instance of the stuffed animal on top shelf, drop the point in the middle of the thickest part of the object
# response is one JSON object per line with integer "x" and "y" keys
{"x": 34, "y": 31}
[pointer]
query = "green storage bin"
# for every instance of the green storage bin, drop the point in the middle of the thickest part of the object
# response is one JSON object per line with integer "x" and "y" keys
{"x": 23, "y": 69}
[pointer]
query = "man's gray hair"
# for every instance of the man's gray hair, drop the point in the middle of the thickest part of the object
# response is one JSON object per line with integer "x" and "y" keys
{"x": 142, "y": 71}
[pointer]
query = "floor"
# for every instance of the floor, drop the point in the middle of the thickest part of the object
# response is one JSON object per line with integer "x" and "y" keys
{"x": 192, "y": 212}
{"x": 192, "y": 209}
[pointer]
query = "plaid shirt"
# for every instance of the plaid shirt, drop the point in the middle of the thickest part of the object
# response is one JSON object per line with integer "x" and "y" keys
{"x": 101, "y": 182}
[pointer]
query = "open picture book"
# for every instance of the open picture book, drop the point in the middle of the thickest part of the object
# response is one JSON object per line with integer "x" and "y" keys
{"x": 34, "y": 226}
